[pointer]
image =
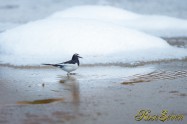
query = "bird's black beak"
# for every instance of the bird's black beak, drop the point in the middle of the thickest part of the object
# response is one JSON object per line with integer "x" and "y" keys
{"x": 80, "y": 57}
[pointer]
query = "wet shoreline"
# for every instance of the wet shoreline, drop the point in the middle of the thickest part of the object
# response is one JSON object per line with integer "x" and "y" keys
{"x": 93, "y": 95}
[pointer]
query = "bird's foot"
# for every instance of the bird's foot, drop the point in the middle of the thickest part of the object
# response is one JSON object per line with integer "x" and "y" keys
{"x": 71, "y": 74}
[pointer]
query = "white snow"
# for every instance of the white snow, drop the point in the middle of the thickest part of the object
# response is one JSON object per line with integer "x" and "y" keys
{"x": 157, "y": 25}
{"x": 58, "y": 37}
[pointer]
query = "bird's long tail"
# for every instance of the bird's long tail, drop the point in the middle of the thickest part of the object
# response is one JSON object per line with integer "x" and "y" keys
{"x": 55, "y": 65}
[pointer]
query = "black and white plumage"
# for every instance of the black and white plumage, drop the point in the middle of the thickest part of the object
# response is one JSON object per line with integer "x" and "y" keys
{"x": 70, "y": 65}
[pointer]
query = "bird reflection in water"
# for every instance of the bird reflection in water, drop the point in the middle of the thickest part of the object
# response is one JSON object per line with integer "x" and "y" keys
{"x": 72, "y": 84}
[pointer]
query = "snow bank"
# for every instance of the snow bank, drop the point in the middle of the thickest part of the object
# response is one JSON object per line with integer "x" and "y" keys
{"x": 153, "y": 24}
{"x": 56, "y": 38}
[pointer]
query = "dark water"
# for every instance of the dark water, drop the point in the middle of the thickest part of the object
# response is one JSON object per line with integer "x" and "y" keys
{"x": 21, "y": 11}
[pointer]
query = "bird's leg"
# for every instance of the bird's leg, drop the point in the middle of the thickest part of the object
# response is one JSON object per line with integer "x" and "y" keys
{"x": 72, "y": 73}
{"x": 68, "y": 74}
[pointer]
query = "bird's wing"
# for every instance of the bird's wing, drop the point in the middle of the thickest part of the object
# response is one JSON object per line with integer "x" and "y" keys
{"x": 68, "y": 62}
{"x": 62, "y": 64}
{"x": 56, "y": 65}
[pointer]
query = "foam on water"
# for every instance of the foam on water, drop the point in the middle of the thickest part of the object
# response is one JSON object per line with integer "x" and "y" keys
{"x": 56, "y": 38}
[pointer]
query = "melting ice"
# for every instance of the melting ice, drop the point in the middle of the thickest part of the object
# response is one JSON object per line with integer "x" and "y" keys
{"x": 100, "y": 34}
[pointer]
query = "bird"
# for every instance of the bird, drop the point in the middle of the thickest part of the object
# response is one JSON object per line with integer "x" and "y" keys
{"x": 70, "y": 65}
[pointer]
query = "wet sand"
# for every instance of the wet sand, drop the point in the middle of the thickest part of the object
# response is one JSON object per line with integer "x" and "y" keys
{"x": 94, "y": 95}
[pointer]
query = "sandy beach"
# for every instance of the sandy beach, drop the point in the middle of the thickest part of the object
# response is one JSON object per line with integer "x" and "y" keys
{"x": 94, "y": 95}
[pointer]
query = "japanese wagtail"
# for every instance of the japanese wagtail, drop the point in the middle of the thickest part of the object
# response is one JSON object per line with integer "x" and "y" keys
{"x": 70, "y": 65}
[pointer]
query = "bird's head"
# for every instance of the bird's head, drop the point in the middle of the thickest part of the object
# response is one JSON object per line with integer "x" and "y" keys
{"x": 76, "y": 56}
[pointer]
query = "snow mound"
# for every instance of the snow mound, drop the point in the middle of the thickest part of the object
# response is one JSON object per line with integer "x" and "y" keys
{"x": 57, "y": 38}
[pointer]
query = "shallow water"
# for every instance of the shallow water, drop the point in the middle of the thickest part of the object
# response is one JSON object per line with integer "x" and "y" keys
{"x": 47, "y": 83}
{"x": 157, "y": 75}
{"x": 93, "y": 95}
